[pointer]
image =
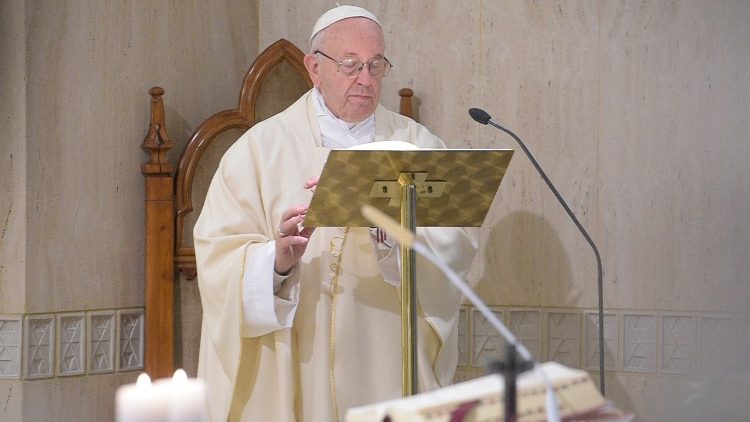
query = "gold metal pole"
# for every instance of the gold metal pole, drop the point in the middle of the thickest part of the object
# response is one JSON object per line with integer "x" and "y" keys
{"x": 408, "y": 288}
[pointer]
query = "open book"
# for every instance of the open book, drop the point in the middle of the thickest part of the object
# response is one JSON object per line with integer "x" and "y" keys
{"x": 481, "y": 399}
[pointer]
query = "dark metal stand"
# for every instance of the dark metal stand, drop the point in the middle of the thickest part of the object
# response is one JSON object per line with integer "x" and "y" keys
{"x": 510, "y": 369}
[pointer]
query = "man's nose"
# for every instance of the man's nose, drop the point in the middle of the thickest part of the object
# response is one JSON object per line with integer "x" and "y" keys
{"x": 364, "y": 77}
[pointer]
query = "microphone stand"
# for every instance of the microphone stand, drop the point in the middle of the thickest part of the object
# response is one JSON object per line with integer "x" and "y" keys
{"x": 407, "y": 240}
{"x": 511, "y": 368}
{"x": 484, "y": 118}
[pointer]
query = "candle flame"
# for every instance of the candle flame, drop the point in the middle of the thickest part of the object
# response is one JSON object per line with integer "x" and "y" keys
{"x": 143, "y": 382}
{"x": 180, "y": 377}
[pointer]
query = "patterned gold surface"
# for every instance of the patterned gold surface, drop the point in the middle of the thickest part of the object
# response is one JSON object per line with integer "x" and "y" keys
{"x": 472, "y": 177}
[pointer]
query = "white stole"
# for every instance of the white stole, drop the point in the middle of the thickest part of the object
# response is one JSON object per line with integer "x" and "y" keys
{"x": 338, "y": 134}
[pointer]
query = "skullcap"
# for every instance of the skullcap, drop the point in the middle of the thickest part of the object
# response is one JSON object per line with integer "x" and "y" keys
{"x": 340, "y": 13}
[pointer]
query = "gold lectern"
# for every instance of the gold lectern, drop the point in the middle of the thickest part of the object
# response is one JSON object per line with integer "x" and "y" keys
{"x": 443, "y": 187}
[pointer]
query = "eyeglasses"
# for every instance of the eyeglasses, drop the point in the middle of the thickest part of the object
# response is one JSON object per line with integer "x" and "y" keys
{"x": 351, "y": 67}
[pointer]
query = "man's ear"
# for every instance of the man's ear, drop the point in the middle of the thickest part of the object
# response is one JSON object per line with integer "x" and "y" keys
{"x": 313, "y": 68}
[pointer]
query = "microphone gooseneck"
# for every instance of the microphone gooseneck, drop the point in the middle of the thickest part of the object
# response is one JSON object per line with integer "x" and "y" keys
{"x": 484, "y": 118}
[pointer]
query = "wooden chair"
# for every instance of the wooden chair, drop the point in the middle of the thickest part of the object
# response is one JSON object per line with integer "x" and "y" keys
{"x": 173, "y": 199}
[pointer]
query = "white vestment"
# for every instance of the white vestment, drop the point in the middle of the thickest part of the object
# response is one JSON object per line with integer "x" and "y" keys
{"x": 330, "y": 337}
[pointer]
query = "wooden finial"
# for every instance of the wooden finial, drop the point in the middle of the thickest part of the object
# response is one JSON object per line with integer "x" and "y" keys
{"x": 405, "y": 104}
{"x": 157, "y": 143}
{"x": 156, "y": 91}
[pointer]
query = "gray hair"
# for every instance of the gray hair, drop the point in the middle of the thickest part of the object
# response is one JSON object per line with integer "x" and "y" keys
{"x": 318, "y": 40}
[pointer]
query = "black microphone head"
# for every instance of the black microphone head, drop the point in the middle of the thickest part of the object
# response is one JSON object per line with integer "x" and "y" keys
{"x": 479, "y": 115}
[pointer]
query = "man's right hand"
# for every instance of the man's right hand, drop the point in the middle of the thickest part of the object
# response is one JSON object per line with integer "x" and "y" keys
{"x": 291, "y": 242}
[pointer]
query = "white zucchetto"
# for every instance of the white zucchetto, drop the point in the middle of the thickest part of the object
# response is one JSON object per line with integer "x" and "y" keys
{"x": 340, "y": 13}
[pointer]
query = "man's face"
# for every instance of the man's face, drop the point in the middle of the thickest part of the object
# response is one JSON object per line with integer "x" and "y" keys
{"x": 350, "y": 99}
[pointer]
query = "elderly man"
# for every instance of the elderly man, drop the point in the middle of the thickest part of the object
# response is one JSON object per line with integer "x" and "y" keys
{"x": 301, "y": 324}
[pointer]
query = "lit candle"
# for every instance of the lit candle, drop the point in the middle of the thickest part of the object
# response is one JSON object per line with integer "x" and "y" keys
{"x": 166, "y": 400}
{"x": 188, "y": 399}
{"x": 141, "y": 402}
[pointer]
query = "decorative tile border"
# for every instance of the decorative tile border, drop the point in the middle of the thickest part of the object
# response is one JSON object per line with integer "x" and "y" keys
{"x": 486, "y": 343}
{"x": 463, "y": 339}
{"x": 526, "y": 325}
{"x": 39, "y": 346}
{"x": 71, "y": 344}
{"x": 591, "y": 341}
{"x": 716, "y": 332}
{"x": 11, "y": 334}
{"x": 743, "y": 334}
{"x": 130, "y": 335}
{"x": 101, "y": 344}
{"x": 657, "y": 342}
{"x": 98, "y": 342}
{"x": 678, "y": 334}
{"x": 638, "y": 343}
{"x": 564, "y": 338}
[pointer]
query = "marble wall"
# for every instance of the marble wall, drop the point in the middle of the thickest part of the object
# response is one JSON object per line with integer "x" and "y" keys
{"x": 12, "y": 158}
{"x": 74, "y": 81}
{"x": 636, "y": 111}
{"x": 12, "y": 192}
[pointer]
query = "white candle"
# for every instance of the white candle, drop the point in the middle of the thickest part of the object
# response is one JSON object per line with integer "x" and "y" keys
{"x": 188, "y": 399}
{"x": 178, "y": 399}
{"x": 141, "y": 402}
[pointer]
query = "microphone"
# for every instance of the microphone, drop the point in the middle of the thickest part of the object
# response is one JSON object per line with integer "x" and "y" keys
{"x": 484, "y": 118}
{"x": 407, "y": 239}
{"x": 479, "y": 115}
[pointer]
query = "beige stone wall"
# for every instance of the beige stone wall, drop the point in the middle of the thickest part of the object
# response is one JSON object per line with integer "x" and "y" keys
{"x": 12, "y": 158}
{"x": 75, "y": 107}
{"x": 12, "y": 186}
{"x": 89, "y": 69}
{"x": 637, "y": 111}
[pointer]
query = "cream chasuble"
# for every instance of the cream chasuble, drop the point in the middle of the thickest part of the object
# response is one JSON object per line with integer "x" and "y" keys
{"x": 330, "y": 337}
